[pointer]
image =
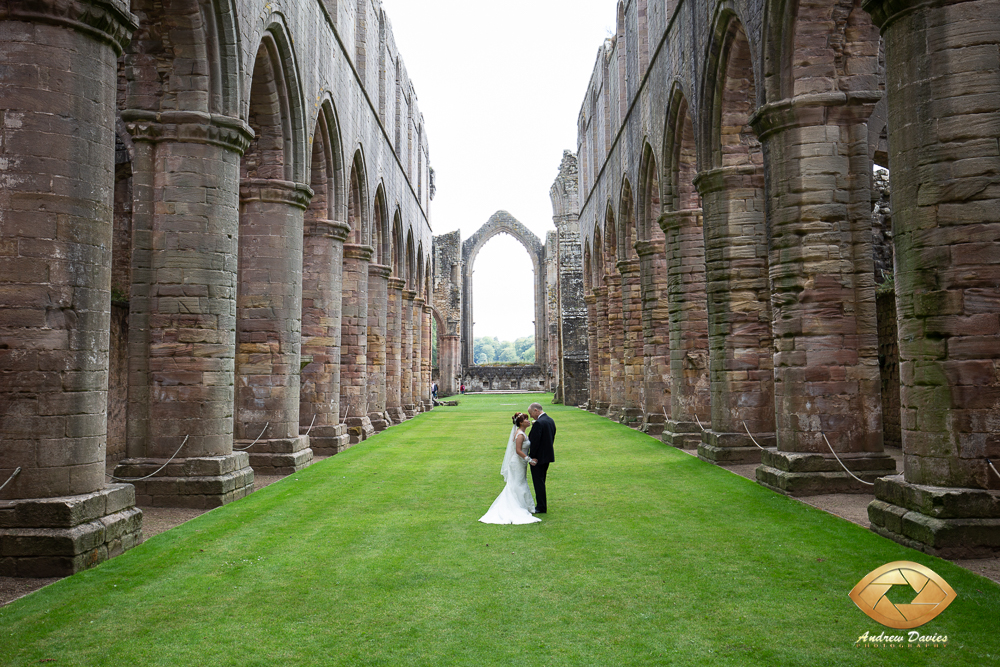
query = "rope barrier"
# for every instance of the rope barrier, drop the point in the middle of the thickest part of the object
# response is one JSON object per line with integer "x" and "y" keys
{"x": 139, "y": 479}
{"x": 842, "y": 463}
{"x": 309, "y": 430}
{"x": 992, "y": 467}
{"x": 18, "y": 472}
{"x": 347, "y": 413}
{"x": 243, "y": 449}
{"x": 751, "y": 437}
{"x": 699, "y": 423}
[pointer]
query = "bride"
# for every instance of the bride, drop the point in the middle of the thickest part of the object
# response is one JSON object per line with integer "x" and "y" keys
{"x": 514, "y": 504}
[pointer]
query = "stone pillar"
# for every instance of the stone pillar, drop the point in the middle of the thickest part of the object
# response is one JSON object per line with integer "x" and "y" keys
{"x": 690, "y": 398}
{"x": 406, "y": 394}
{"x": 449, "y": 356}
{"x": 632, "y": 347}
{"x": 655, "y": 333}
{"x": 319, "y": 396}
{"x": 602, "y": 404}
{"x": 616, "y": 346}
{"x": 394, "y": 352}
{"x": 418, "y": 353}
{"x": 354, "y": 343}
{"x": 57, "y": 107}
{"x": 269, "y": 325}
{"x": 944, "y": 76}
{"x": 739, "y": 315}
{"x": 593, "y": 354}
{"x": 378, "y": 298}
{"x": 826, "y": 374}
{"x": 182, "y": 324}
{"x": 426, "y": 361}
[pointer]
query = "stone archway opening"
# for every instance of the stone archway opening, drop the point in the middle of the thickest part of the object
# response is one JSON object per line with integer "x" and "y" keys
{"x": 502, "y": 223}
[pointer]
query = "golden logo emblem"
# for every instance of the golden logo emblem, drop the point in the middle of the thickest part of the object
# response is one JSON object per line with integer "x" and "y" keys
{"x": 933, "y": 595}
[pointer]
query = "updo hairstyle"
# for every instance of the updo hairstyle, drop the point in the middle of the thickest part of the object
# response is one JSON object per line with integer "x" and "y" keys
{"x": 518, "y": 418}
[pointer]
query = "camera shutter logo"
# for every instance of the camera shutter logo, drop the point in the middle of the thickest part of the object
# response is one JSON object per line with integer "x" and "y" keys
{"x": 932, "y": 595}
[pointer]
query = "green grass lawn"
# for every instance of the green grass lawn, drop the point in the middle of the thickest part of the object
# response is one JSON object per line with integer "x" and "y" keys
{"x": 648, "y": 556}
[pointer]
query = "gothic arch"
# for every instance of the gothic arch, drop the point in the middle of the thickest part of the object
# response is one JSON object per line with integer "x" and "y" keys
{"x": 626, "y": 216}
{"x": 380, "y": 228}
{"x": 680, "y": 150}
{"x": 648, "y": 206}
{"x": 357, "y": 201}
{"x": 503, "y": 223}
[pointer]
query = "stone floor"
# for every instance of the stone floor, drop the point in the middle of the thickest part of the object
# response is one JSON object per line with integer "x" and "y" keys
{"x": 850, "y": 506}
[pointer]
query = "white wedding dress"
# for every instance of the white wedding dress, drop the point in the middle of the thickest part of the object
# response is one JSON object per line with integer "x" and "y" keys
{"x": 514, "y": 504}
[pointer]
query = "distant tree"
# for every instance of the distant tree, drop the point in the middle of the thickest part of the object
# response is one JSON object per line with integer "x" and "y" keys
{"x": 522, "y": 344}
{"x": 529, "y": 355}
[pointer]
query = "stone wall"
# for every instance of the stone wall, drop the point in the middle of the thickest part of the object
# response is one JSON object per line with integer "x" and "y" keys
{"x": 504, "y": 378}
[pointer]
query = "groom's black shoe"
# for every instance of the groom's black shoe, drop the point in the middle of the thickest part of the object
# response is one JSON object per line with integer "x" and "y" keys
{"x": 539, "y": 511}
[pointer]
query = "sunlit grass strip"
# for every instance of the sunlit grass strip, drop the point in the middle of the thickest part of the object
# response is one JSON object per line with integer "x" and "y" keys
{"x": 376, "y": 557}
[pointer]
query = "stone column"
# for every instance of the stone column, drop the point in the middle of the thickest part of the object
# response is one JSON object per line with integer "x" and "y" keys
{"x": 945, "y": 113}
{"x": 57, "y": 107}
{"x": 826, "y": 373}
{"x": 426, "y": 361}
{"x": 269, "y": 325}
{"x": 406, "y": 365}
{"x": 319, "y": 396}
{"x": 394, "y": 352}
{"x": 655, "y": 336}
{"x": 690, "y": 398}
{"x": 616, "y": 346}
{"x": 632, "y": 347}
{"x": 602, "y": 403}
{"x": 378, "y": 298}
{"x": 418, "y": 353}
{"x": 182, "y": 323}
{"x": 449, "y": 356}
{"x": 739, "y": 315}
{"x": 354, "y": 343}
{"x": 593, "y": 354}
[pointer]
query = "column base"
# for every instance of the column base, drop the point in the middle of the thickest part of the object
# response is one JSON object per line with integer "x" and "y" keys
{"x": 942, "y": 521}
{"x": 396, "y": 414}
{"x": 631, "y": 417}
{"x": 410, "y": 410}
{"x": 198, "y": 482}
{"x": 328, "y": 440}
{"x": 57, "y": 537}
{"x": 379, "y": 420}
{"x": 597, "y": 407}
{"x": 427, "y": 406}
{"x": 278, "y": 456}
{"x": 652, "y": 423}
{"x": 810, "y": 474}
{"x": 359, "y": 429}
{"x": 613, "y": 411}
{"x": 733, "y": 448}
{"x": 682, "y": 435}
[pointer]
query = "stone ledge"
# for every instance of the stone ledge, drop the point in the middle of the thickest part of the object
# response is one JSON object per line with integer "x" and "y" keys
{"x": 728, "y": 455}
{"x": 201, "y": 466}
{"x": 198, "y": 491}
{"x": 329, "y": 445}
{"x": 810, "y": 462}
{"x": 946, "y": 538}
{"x": 939, "y": 502}
{"x": 267, "y": 463}
{"x": 66, "y": 511}
{"x": 815, "y": 483}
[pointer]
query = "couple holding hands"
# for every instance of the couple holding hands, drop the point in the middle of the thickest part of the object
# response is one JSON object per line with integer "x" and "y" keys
{"x": 515, "y": 504}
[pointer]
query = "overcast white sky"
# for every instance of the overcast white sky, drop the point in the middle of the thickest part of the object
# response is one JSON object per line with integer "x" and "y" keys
{"x": 500, "y": 85}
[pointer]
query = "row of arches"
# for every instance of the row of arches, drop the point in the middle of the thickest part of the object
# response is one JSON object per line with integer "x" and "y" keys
{"x": 737, "y": 267}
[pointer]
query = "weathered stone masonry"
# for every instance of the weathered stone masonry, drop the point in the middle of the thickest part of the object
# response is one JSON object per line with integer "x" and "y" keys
{"x": 249, "y": 158}
{"x": 751, "y": 164}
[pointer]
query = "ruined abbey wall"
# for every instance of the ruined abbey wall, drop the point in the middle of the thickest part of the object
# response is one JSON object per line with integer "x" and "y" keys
{"x": 726, "y": 205}
{"x": 249, "y": 184}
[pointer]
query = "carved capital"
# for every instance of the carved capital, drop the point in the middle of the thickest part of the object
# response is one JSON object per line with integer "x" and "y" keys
{"x": 647, "y": 248}
{"x": 355, "y": 251}
{"x": 396, "y": 283}
{"x": 193, "y": 127}
{"x": 676, "y": 219}
{"x": 379, "y": 271}
{"x": 885, "y": 12}
{"x": 834, "y": 108}
{"x": 419, "y": 302}
{"x": 600, "y": 292}
{"x": 409, "y": 294}
{"x": 724, "y": 178}
{"x": 334, "y": 229}
{"x": 108, "y": 21}
{"x": 275, "y": 192}
{"x": 590, "y": 299}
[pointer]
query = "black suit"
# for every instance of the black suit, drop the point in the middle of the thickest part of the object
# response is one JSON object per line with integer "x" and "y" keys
{"x": 543, "y": 432}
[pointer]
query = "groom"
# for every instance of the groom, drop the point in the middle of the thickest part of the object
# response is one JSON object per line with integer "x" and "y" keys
{"x": 543, "y": 432}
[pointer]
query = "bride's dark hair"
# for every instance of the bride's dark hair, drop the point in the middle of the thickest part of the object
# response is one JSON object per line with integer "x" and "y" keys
{"x": 518, "y": 418}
